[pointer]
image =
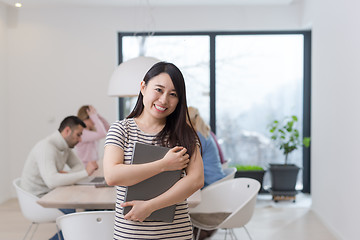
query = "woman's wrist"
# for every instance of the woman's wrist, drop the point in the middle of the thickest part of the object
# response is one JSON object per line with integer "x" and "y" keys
{"x": 160, "y": 165}
{"x": 151, "y": 205}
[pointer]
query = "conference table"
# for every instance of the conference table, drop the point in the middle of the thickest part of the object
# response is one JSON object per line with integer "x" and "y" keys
{"x": 90, "y": 197}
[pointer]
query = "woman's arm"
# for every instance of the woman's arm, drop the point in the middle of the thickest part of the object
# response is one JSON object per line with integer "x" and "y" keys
{"x": 99, "y": 133}
{"x": 104, "y": 122}
{"x": 118, "y": 173}
{"x": 184, "y": 188}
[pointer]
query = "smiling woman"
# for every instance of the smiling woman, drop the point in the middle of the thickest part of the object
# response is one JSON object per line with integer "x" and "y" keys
{"x": 159, "y": 118}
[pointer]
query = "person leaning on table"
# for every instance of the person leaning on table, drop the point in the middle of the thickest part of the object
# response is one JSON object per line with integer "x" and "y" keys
{"x": 96, "y": 129}
{"x": 44, "y": 167}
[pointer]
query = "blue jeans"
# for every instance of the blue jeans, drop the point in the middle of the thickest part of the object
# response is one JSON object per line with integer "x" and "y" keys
{"x": 56, "y": 236}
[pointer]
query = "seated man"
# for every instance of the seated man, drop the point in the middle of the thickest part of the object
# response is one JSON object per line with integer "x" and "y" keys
{"x": 44, "y": 167}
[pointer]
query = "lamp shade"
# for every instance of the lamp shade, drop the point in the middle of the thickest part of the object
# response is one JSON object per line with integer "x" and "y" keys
{"x": 126, "y": 79}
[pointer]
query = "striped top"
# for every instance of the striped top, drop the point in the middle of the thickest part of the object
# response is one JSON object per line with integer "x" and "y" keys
{"x": 124, "y": 134}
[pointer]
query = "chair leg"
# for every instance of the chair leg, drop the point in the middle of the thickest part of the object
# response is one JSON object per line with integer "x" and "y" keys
{"x": 58, "y": 232}
{"x": 232, "y": 234}
{"x": 247, "y": 233}
{"x": 59, "y": 237}
{"x": 36, "y": 227}
{"x": 226, "y": 232}
{"x": 198, "y": 233}
{"x": 29, "y": 228}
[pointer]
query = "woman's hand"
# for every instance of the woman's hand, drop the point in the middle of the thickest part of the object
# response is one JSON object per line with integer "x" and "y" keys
{"x": 175, "y": 159}
{"x": 140, "y": 210}
{"x": 91, "y": 110}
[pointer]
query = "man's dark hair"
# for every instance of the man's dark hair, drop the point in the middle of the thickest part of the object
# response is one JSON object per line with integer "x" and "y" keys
{"x": 72, "y": 122}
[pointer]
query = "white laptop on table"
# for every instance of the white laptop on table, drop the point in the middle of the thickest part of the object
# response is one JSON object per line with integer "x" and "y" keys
{"x": 91, "y": 180}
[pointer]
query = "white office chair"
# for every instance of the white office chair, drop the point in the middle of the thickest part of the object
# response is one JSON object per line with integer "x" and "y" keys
{"x": 226, "y": 205}
{"x": 32, "y": 210}
{"x": 87, "y": 225}
{"x": 230, "y": 174}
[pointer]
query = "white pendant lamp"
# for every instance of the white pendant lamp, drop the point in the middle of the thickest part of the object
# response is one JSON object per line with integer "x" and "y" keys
{"x": 126, "y": 79}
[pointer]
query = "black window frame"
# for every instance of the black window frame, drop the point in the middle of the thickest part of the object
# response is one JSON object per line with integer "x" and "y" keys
{"x": 212, "y": 38}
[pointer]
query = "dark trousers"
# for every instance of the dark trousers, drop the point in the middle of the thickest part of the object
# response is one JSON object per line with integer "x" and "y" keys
{"x": 56, "y": 236}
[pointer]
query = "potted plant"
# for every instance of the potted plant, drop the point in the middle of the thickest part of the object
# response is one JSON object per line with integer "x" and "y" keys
{"x": 287, "y": 137}
{"x": 251, "y": 171}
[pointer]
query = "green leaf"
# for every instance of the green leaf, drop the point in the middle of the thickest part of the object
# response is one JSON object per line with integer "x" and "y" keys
{"x": 286, "y": 136}
{"x": 306, "y": 141}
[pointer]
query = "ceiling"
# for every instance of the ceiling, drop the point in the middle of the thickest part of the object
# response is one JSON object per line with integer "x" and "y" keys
{"x": 146, "y": 2}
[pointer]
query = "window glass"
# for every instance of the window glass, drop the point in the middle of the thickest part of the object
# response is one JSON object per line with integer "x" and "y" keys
{"x": 259, "y": 78}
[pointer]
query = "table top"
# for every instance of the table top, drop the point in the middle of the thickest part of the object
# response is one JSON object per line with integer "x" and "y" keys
{"x": 80, "y": 196}
{"x": 90, "y": 197}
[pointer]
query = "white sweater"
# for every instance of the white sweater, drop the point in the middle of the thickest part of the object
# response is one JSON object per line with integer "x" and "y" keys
{"x": 49, "y": 156}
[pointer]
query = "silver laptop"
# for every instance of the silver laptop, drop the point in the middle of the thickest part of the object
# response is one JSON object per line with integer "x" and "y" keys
{"x": 91, "y": 180}
{"x": 154, "y": 186}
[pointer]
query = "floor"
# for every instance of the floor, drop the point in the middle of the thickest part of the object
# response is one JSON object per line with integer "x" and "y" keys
{"x": 282, "y": 221}
{"x": 271, "y": 221}
{"x": 13, "y": 225}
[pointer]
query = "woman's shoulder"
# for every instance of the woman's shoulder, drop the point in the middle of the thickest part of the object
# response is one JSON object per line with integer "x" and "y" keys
{"x": 124, "y": 124}
{"x": 121, "y": 129}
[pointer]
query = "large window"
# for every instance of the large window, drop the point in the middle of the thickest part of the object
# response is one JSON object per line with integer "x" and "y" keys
{"x": 239, "y": 82}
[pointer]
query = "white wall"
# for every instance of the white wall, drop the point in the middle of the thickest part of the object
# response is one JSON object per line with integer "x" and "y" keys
{"x": 335, "y": 113}
{"x": 58, "y": 61}
{"x": 5, "y": 185}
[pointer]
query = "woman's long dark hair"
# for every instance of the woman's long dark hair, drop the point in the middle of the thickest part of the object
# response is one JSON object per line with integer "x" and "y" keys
{"x": 178, "y": 130}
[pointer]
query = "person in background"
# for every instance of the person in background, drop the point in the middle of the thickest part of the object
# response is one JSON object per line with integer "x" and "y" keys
{"x": 159, "y": 118}
{"x": 210, "y": 153}
{"x": 221, "y": 154}
{"x": 96, "y": 129}
{"x": 44, "y": 167}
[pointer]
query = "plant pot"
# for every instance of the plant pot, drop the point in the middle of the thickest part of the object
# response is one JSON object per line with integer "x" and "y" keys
{"x": 254, "y": 174}
{"x": 283, "y": 177}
